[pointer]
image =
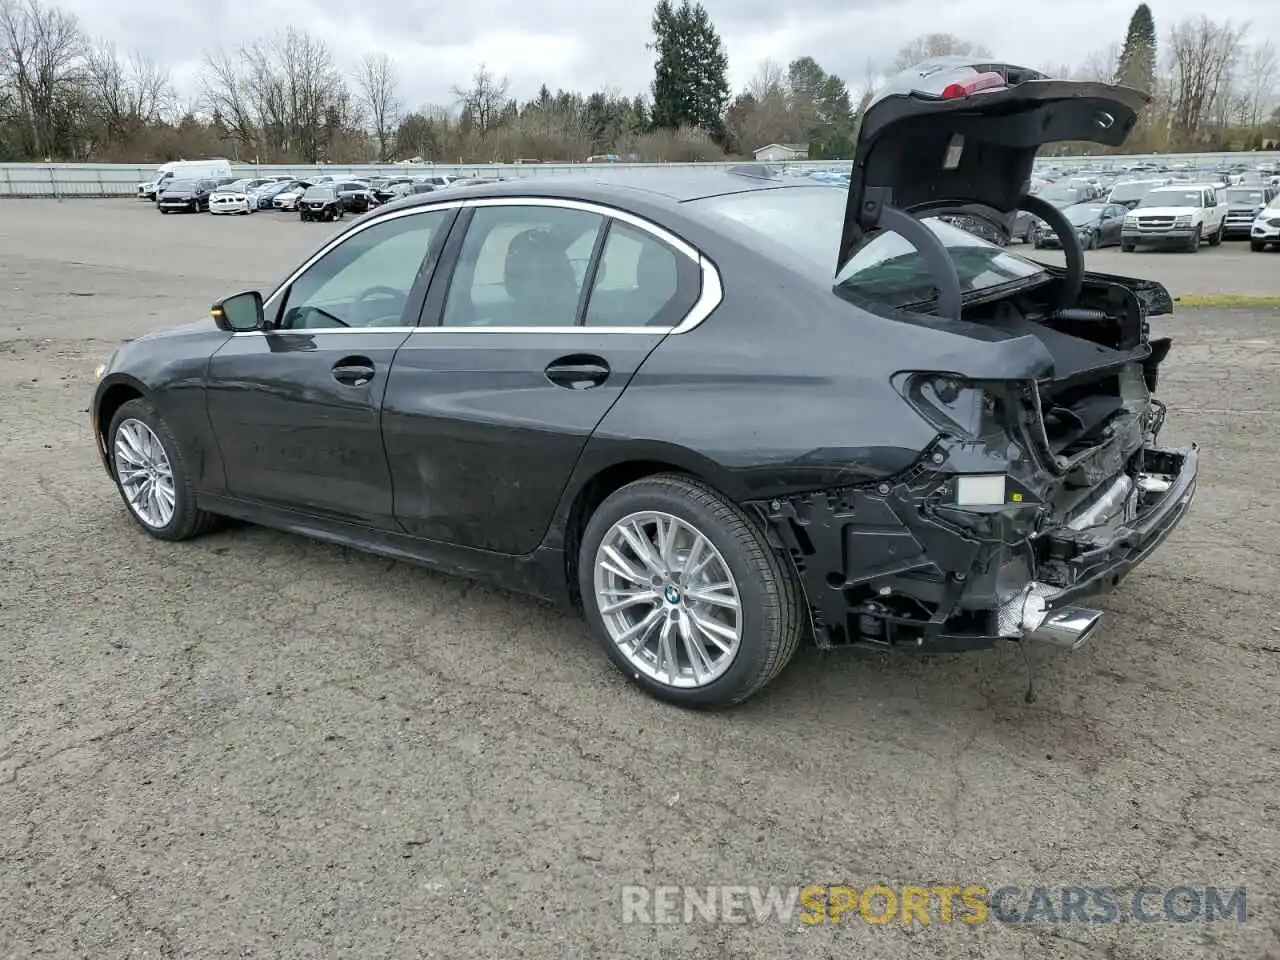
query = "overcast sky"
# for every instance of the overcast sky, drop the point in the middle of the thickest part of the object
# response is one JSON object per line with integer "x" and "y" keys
{"x": 589, "y": 45}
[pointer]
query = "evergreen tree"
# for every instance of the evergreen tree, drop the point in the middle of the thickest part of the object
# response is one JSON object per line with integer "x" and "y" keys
{"x": 691, "y": 82}
{"x": 1137, "y": 66}
{"x": 820, "y": 103}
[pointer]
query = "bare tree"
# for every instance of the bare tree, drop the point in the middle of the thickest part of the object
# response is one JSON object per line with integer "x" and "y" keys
{"x": 378, "y": 84}
{"x": 41, "y": 52}
{"x": 225, "y": 94}
{"x": 769, "y": 80}
{"x": 1202, "y": 57}
{"x": 1259, "y": 94}
{"x": 929, "y": 45}
{"x": 482, "y": 103}
{"x": 283, "y": 95}
{"x": 1101, "y": 65}
{"x": 124, "y": 93}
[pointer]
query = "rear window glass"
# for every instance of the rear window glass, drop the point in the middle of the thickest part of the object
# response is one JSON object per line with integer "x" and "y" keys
{"x": 802, "y": 226}
{"x": 1172, "y": 198}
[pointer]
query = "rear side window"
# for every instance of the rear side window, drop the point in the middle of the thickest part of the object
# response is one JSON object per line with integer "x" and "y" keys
{"x": 640, "y": 281}
{"x": 522, "y": 266}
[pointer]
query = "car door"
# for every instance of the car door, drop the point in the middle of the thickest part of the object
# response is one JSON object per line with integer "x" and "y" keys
{"x": 296, "y": 408}
{"x": 550, "y": 308}
{"x": 1112, "y": 222}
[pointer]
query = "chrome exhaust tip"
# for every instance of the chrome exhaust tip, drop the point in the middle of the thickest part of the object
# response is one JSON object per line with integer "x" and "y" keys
{"x": 1067, "y": 628}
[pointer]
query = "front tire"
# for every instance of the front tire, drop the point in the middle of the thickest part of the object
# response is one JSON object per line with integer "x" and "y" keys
{"x": 684, "y": 593}
{"x": 1219, "y": 236}
{"x": 1193, "y": 245}
{"x": 152, "y": 476}
{"x": 1257, "y": 246}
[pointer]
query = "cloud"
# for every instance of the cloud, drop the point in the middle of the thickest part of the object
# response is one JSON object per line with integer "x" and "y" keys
{"x": 602, "y": 44}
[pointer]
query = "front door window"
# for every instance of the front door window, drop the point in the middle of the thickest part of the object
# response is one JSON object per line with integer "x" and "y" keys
{"x": 366, "y": 280}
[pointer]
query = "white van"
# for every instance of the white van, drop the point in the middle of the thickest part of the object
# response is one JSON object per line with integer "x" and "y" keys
{"x": 215, "y": 169}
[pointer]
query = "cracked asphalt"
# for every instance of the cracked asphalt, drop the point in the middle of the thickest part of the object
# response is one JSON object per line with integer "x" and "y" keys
{"x": 254, "y": 745}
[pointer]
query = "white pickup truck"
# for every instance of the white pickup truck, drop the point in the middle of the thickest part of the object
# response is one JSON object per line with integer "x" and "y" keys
{"x": 1179, "y": 215}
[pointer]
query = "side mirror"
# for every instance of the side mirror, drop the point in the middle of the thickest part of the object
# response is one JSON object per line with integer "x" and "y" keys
{"x": 240, "y": 313}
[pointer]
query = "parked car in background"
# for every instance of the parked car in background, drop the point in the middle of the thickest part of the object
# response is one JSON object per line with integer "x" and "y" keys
{"x": 1096, "y": 224}
{"x": 435, "y": 383}
{"x": 266, "y": 195}
{"x": 389, "y": 189}
{"x": 213, "y": 169}
{"x": 356, "y": 196}
{"x": 287, "y": 199}
{"x": 320, "y": 202}
{"x": 1266, "y": 227}
{"x": 440, "y": 180}
{"x": 1179, "y": 215}
{"x": 1127, "y": 193}
{"x": 186, "y": 196}
{"x": 1243, "y": 206}
{"x": 1062, "y": 195}
{"x": 233, "y": 198}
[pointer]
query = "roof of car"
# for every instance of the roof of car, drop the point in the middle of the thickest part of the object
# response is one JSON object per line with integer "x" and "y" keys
{"x": 676, "y": 186}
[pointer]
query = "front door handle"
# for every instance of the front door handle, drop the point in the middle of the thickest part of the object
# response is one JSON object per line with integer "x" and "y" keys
{"x": 578, "y": 372}
{"x": 354, "y": 371}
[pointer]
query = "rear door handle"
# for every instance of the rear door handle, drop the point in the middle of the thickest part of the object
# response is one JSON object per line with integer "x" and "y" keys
{"x": 354, "y": 371}
{"x": 578, "y": 372}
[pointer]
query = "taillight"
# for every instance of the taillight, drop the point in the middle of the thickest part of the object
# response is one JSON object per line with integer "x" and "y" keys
{"x": 983, "y": 81}
{"x": 955, "y": 406}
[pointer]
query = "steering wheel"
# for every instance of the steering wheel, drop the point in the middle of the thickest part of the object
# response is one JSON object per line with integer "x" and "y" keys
{"x": 374, "y": 293}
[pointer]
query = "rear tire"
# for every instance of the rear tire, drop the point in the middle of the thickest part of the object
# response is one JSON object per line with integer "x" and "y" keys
{"x": 187, "y": 520}
{"x": 770, "y": 616}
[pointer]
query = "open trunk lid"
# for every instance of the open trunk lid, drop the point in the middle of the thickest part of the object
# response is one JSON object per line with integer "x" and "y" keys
{"x": 960, "y": 134}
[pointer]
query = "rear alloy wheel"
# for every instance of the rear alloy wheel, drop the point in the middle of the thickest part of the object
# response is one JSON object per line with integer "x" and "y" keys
{"x": 151, "y": 475}
{"x": 684, "y": 593}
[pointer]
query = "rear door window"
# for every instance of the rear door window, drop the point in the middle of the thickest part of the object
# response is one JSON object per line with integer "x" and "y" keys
{"x": 640, "y": 281}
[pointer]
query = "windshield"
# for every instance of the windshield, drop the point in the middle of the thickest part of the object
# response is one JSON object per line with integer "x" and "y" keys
{"x": 1082, "y": 215}
{"x": 318, "y": 193}
{"x": 1252, "y": 197}
{"x": 802, "y": 226}
{"x": 1131, "y": 191}
{"x": 182, "y": 185}
{"x": 1171, "y": 198}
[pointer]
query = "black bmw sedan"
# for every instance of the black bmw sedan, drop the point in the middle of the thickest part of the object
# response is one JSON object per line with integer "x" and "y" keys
{"x": 648, "y": 396}
{"x": 186, "y": 196}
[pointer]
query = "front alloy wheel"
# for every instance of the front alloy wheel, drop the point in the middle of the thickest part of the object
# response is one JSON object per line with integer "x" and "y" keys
{"x": 151, "y": 474}
{"x": 145, "y": 474}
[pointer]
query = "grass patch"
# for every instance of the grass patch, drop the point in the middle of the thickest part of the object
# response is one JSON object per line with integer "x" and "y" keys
{"x": 1228, "y": 300}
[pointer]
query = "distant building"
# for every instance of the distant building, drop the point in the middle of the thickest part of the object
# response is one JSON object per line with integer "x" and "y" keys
{"x": 775, "y": 152}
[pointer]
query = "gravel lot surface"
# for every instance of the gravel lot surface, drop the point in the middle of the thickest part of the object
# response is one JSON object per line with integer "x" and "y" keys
{"x": 253, "y": 745}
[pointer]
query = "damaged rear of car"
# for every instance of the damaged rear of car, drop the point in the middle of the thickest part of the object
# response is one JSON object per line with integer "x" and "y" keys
{"x": 1043, "y": 484}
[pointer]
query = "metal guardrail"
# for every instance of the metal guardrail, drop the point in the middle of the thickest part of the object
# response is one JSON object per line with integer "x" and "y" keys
{"x": 71, "y": 180}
